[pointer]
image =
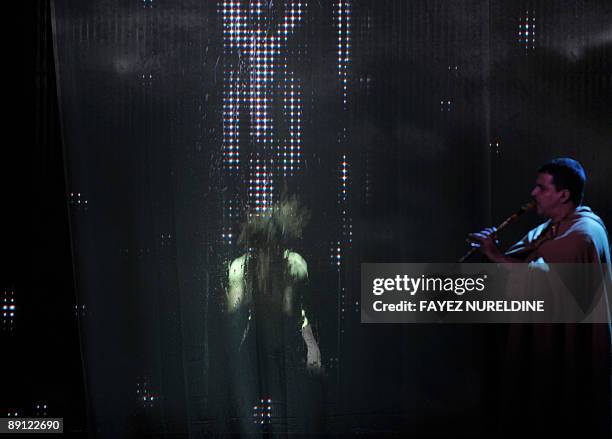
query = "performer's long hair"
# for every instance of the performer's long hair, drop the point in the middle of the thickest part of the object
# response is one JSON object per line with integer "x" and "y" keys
{"x": 266, "y": 236}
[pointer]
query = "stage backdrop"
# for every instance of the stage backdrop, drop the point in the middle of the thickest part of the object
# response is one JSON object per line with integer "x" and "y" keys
{"x": 400, "y": 125}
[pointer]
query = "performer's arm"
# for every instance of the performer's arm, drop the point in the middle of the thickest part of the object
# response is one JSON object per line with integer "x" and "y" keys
{"x": 298, "y": 270}
{"x": 235, "y": 288}
{"x": 313, "y": 354}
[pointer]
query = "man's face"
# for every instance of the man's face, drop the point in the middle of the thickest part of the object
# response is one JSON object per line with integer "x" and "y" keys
{"x": 546, "y": 196}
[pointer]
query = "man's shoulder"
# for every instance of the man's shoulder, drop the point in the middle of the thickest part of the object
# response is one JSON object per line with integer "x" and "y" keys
{"x": 587, "y": 218}
{"x": 296, "y": 264}
{"x": 237, "y": 266}
{"x": 588, "y": 225}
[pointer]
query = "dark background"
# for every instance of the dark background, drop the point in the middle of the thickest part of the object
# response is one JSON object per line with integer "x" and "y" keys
{"x": 145, "y": 156}
{"x": 41, "y": 360}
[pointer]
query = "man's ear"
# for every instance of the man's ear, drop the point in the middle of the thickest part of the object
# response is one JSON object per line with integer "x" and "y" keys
{"x": 565, "y": 196}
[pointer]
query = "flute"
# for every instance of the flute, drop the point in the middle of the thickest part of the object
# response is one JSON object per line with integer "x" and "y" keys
{"x": 524, "y": 208}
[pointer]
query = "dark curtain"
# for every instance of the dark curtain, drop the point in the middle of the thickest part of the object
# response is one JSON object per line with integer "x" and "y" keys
{"x": 400, "y": 125}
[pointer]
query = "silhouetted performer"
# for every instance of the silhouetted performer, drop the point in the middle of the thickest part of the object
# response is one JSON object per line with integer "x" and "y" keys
{"x": 267, "y": 302}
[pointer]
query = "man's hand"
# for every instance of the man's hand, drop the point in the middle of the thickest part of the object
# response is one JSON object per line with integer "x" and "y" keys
{"x": 486, "y": 243}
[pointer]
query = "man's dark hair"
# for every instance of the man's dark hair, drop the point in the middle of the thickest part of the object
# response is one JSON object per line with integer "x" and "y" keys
{"x": 567, "y": 174}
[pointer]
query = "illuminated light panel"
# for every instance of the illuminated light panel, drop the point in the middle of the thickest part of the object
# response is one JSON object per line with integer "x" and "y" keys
{"x": 235, "y": 37}
{"x": 261, "y": 187}
{"x": 231, "y": 216}
{"x": 40, "y": 409}
{"x": 336, "y": 253}
{"x": 342, "y": 19}
{"x": 255, "y": 69}
{"x": 78, "y": 200}
{"x": 495, "y": 146}
{"x": 262, "y": 411}
{"x": 80, "y": 310}
{"x": 290, "y": 156}
{"x": 9, "y": 310}
{"x": 231, "y": 121}
{"x": 527, "y": 30}
{"x": 446, "y": 105}
{"x": 344, "y": 180}
{"x": 338, "y": 248}
{"x": 143, "y": 393}
{"x": 227, "y": 235}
